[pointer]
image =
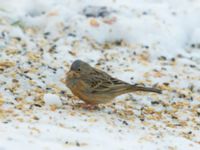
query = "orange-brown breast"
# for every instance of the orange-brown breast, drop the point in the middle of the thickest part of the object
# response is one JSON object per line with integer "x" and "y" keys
{"x": 79, "y": 89}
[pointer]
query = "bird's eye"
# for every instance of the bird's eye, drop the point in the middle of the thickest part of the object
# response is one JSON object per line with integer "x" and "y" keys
{"x": 79, "y": 69}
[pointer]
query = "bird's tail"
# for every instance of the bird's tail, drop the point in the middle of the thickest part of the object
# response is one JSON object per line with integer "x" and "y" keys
{"x": 118, "y": 90}
{"x": 145, "y": 89}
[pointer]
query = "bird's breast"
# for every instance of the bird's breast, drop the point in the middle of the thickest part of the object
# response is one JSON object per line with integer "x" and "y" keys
{"x": 76, "y": 85}
{"x": 80, "y": 89}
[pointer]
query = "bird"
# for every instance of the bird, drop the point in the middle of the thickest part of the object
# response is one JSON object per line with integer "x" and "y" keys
{"x": 95, "y": 86}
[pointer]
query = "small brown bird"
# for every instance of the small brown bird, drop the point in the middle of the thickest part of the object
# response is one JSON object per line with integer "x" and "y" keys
{"x": 94, "y": 86}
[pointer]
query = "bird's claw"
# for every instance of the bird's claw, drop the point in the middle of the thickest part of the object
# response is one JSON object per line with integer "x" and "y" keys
{"x": 89, "y": 106}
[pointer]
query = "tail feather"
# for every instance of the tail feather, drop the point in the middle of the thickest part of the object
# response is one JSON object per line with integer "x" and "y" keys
{"x": 116, "y": 91}
{"x": 145, "y": 89}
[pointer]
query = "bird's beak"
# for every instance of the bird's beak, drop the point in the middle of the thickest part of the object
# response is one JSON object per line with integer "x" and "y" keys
{"x": 72, "y": 74}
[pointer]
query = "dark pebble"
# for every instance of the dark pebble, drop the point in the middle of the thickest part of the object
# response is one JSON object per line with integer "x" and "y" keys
{"x": 37, "y": 105}
{"x": 144, "y": 13}
{"x": 48, "y": 88}
{"x": 180, "y": 56}
{"x": 109, "y": 112}
{"x": 174, "y": 117}
{"x": 18, "y": 38}
{"x": 155, "y": 102}
{"x": 125, "y": 123}
{"x": 96, "y": 11}
{"x": 191, "y": 99}
{"x": 166, "y": 83}
{"x": 78, "y": 144}
{"x": 192, "y": 66}
{"x": 118, "y": 43}
{"x": 7, "y": 121}
{"x": 182, "y": 96}
{"x": 173, "y": 59}
{"x": 162, "y": 58}
{"x": 72, "y": 35}
{"x": 142, "y": 119}
{"x": 190, "y": 132}
{"x": 47, "y": 33}
{"x": 52, "y": 49}
{"x": 146, "y": 46}
{"x": 192, "y": 45}
{"x": 15, "y": 80}
{"x": 62, "y": 92}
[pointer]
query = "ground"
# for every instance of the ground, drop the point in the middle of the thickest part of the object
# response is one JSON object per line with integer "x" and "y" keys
{"x": 156, "y": 43}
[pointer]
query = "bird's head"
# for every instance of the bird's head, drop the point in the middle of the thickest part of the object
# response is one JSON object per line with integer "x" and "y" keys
{"x": 79, "y": 68}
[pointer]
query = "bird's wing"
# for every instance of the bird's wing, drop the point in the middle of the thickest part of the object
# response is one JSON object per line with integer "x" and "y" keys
{"x": 100, "y": 81}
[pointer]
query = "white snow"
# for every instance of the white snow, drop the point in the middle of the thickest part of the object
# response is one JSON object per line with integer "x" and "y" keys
{"x": 138, "y": 41}
{"x": 52, "y": 99}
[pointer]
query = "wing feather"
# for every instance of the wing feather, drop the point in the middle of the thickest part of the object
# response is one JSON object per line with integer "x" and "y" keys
{"x": 100, "y": 81}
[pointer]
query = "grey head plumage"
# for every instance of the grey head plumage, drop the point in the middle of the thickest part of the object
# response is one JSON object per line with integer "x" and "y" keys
{"x": 80, "y": 66}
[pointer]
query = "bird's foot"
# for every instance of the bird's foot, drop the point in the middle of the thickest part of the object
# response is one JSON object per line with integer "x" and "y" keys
{"x": 89, "y": 106}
